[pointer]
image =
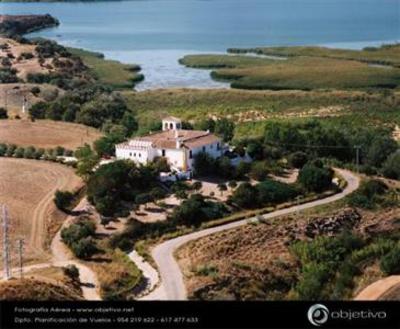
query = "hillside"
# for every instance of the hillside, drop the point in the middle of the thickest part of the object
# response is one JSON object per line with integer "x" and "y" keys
{"x": 21, "y": 24}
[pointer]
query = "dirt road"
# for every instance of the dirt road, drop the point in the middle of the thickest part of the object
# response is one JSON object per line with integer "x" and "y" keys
{"x": 172, "y": 286}
{"x": 62, "y": 256}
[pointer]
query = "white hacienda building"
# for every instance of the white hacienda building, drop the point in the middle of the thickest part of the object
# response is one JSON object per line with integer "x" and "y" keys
{"x": 178, "y": 146}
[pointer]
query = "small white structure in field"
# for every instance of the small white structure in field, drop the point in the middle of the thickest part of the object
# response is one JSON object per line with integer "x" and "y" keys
{"x": 177, "y": 145}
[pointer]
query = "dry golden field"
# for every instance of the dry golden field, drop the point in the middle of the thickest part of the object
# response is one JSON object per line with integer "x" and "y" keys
{"x": 46, "y": 134}
{"x": 27, "y": 188}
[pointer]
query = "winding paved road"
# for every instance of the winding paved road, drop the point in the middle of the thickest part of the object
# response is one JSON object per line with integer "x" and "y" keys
{"x": 172, "y": 285}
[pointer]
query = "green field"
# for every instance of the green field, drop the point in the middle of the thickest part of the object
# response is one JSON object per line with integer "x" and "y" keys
{"x": 110, "y": 72}
{"x": 296, "y": 72}
{"x": 251, "y": 109}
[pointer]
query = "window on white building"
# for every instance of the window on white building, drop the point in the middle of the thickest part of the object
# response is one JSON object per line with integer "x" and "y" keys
{"x": 204, "y": 148}
{"x": 190, "y": 154}
{"x": 218, "y": 146}
{"x": 163, "y": 153}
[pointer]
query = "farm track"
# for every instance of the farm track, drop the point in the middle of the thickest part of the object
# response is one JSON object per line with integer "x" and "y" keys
{"x": 36, "y": 240}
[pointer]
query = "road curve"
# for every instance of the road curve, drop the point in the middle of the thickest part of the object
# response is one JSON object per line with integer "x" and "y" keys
{"x": 379, "y": 288}
{"x": 172, "y": 285}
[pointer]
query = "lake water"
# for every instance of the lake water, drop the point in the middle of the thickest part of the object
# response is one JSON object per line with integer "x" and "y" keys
{"x": 156, "y": 33}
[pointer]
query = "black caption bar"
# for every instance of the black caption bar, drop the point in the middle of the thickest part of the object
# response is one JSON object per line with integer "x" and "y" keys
{"x": 25, "y": 315}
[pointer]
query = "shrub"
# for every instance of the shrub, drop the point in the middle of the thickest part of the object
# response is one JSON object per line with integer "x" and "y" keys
{"x": 274, "y": 192}
{"x": 3, "y": 149}
{"x": 298, "y": 159}
{"x": 35, "y": 90}
{"x": 315, "y": 178}
{"x": 245, "y": 196}
{"x": 204, "y": 164}
{"x": 78, "y": 231}
{"x": 63, "y": 199}
{"x": 19, "y": 152}
{"x": 84, "y": 248}
{"x": 29, "y": 152}
{"x": 72, "y": 272}
{"x": 368, "y": 195}
{"x": 259, "y": 170}
{"x": 390, "y": 263}
{"x": 3, "y": 113}
{"x": 391, "y": 167}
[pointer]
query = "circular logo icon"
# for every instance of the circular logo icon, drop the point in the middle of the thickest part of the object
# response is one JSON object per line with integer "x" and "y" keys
{"x": 318, "y": 314}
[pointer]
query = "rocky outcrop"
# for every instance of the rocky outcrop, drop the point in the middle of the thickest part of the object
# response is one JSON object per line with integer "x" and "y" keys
{"x": 21, "y": 24}
{"x": 331, "y": 225}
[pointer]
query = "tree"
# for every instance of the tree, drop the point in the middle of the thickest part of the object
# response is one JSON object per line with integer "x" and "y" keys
{"x": 19, "y": 152}
{"x": 225, "y": 128}
{"x": 242, "y": 170}
{"x": 314, "y": 178}
{"x": 63, "y": 199}
{"x": 161, "y": 164}
{"x": 273, "y": 192}
{"x": 72, "y": 272}
{"x": 204, "y": 164}
{"x": 232, "y": 184}
{"x": 391, "y": 167}
{"x": 38, "y": 110}
{"x": 85, "y": 248}
{"x": 206, "y": 124}
{"x": 224, "y": 167}
{"x": 29, "y": 152}
{"x": 3, "y": 113}
{"x": 129, "y": 122}
{"x": 157, "y": 193}
{"x": 181, "y": 194}
{"x": 143, "y": 198}
{"x": 197, "y": 186}
{"x": 112, "y": 184}
{"x": 222, "y": 187}
{"x": 298, "y": 159}
{"x": 379, "y": 150}
{"x": 35, "y": 90}
{"x": 390, "y": 263}
{"x": 259, "y": 170}
{"x": 255, "y": 150}
{"x": 245, "y": 196}
{"x": 87, "y": 160}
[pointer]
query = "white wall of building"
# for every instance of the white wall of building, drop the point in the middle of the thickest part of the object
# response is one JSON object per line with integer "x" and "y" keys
{"x": 212, "y": 150}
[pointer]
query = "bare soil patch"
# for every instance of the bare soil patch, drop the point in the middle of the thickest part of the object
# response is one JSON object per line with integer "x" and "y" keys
{"x": 46, "y": 133}
{"x": 27, "y": 188}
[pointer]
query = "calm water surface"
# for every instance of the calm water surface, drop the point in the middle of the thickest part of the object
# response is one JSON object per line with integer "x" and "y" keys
{"x": 156, "y": 33}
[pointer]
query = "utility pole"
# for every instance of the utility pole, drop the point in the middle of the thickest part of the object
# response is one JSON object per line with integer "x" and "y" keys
{"x": 6, "y": 247}
{"x": 20, "y": 247}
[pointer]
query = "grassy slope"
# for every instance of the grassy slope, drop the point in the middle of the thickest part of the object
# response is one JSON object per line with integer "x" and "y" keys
{"x": 302, "y": 72}
{"x": 252, "y": 108}
{"x": 113, "y": 73}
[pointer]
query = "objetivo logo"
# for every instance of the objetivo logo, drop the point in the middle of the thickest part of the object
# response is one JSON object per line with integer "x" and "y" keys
{"x": 318, "y": 314}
